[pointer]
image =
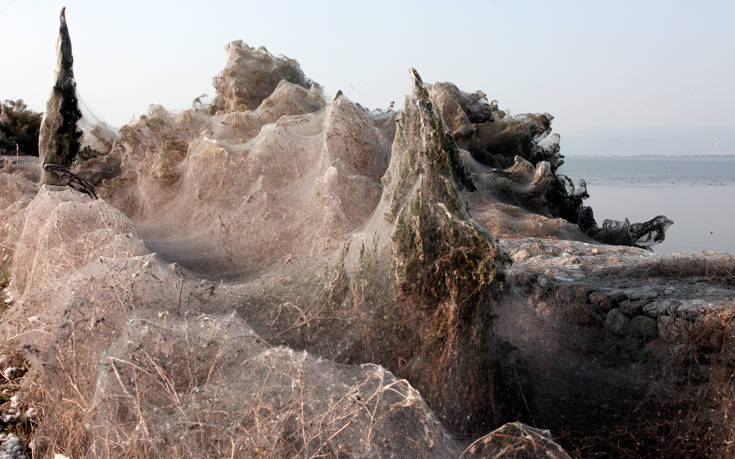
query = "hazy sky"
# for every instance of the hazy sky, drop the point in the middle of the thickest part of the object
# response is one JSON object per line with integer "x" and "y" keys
{"x": 596, "y": 66}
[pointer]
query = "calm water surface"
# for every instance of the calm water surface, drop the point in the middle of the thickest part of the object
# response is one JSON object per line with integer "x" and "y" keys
{"x": 698, "y": 194}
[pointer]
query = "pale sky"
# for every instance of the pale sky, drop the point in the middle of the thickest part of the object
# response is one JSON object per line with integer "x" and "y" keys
{"x": 607, "y": 69}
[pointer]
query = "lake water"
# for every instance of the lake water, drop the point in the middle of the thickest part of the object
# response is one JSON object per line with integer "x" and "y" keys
{"x": 698, "y": 194}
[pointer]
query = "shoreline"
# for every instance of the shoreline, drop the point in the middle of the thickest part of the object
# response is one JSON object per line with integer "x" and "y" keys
{"x": 701, "y": 213}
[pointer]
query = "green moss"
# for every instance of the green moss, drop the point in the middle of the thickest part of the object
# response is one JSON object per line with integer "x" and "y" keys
{"x": 441, "y": 258}
{"x": 447, "y": 273}
{"x": 441, "y": 254}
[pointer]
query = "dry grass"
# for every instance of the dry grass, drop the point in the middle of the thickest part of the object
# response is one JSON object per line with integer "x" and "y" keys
{"x": 180, "y": 398}
{"x": 515, "y": 440}
{"x": 62, "y": 399}
{"x": 688, "y": 413}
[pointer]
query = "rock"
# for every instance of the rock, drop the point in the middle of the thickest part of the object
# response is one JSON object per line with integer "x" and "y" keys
{"x": 616, "y": 321}
{"x": 660, "y": 307}
{"x": 691, "y": 309}
{"x": 602, "y": 301}
{"x": 12, "y": 448}
{"x": 674, "y": 330}
{"x": 643, "y": 327}
{"x": 641, "y": 293}
{"x": 521, "y": 255}
{"x": 524, "y": 279}
{"x": 11, "y": 372}
{"x": 632, "y": 308}
{"x": 581, "y": 295}
{"x": 563, "y": 291}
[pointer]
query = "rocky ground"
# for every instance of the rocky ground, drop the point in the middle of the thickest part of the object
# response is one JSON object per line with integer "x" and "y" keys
{"x": 610, "y": 333}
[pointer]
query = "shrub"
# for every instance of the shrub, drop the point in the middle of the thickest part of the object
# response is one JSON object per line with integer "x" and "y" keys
{"x": 19, "y": 126}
